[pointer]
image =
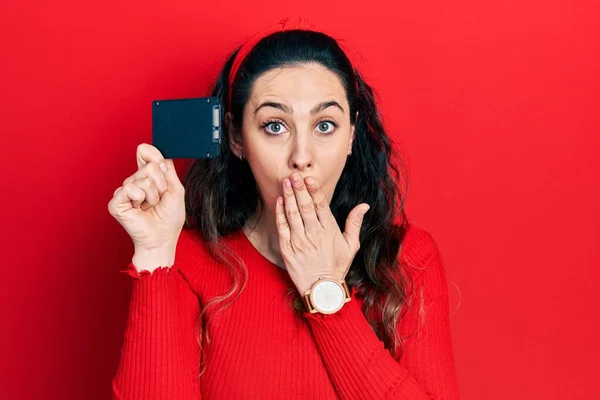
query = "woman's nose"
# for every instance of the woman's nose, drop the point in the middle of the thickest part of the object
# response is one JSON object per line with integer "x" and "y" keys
{"x": 302, "y": 156}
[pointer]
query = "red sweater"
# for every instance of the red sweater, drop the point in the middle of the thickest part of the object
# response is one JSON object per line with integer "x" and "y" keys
{"x": 261, "y": 347}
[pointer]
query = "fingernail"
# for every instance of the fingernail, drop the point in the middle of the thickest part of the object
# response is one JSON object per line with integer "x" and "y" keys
{"x": 163, "y": 167}
{"x": 296, "y": 178}
{"x": 287, "y": 183}
{"x": 366, "y": 209}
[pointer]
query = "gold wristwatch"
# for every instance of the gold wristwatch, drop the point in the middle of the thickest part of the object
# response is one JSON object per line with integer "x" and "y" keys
{"x": 326, "y": 296}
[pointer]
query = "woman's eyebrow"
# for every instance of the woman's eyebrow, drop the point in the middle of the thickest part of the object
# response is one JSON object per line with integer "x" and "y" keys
{"x": 322, "y": 106}
{"x": 317, "y": 109}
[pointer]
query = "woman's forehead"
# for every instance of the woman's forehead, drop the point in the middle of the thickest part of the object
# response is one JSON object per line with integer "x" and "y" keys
{"x": 299, "y": 87}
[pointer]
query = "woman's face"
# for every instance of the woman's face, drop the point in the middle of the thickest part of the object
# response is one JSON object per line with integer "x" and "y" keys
{"x": 297, "y": 119}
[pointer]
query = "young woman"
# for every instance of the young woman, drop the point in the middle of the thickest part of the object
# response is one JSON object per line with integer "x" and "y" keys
{"x": 297, "y": 275}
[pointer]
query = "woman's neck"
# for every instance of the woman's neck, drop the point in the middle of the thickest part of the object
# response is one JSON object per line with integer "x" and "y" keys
{"x": 261, "y": 231}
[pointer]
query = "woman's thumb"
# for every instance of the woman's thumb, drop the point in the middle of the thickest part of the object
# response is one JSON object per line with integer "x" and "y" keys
{"x": 171, "y": 174}
{"x": 354, "y": 223}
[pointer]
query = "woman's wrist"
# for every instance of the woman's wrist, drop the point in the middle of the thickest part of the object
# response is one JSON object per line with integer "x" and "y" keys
{"x": 150, "y": 260}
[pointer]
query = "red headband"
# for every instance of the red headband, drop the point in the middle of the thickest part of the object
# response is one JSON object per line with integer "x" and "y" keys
{"x": 286, "y": 24}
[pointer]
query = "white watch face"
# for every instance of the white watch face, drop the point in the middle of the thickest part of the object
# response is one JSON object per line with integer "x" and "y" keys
{"x": 328, "y": 296}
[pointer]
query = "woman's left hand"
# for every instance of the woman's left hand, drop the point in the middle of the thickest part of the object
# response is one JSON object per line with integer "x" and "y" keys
{"x": 310, "y": 240}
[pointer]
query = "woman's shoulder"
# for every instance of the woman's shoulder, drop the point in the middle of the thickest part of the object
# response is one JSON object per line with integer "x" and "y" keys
{"x": 418, "y": 246}
{"x": 192, "y": 251}
{"x": 194, "y": 255}
{"x": 422, "y": 260}
{"x": 190, "y": 241}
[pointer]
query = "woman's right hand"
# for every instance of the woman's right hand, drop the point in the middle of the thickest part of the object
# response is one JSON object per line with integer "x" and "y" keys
{"x": 151, "y": 208}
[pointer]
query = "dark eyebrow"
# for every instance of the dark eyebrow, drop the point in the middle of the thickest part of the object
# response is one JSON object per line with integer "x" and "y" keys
{"x": 317, "y": 109}
{"x": 322, "y": 106}
{"x": 279, "y": 106}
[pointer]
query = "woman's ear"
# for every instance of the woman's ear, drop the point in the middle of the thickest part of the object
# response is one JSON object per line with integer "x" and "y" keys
{"x": 234, "y": 137}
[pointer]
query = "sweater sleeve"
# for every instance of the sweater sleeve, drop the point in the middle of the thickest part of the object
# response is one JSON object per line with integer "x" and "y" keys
{"x": 160, "y": 356}
{"x": 358, "y": 363}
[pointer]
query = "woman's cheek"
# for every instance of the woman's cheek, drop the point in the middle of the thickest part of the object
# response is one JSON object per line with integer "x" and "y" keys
{"x": 270, "y": 189}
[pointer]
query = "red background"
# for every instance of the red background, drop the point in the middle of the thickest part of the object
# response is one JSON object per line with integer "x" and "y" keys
{"x": 494, "y": 103}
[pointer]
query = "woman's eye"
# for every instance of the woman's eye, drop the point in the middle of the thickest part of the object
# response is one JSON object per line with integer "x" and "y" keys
{"x": 323, "y": 127}
{"x": 275, "y": 128}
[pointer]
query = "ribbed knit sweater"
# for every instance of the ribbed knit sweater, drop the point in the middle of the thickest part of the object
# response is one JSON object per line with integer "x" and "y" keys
{"x": 262, "y": 347}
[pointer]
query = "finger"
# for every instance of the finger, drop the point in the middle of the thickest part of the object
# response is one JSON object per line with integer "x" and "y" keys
{"x": 305, "y": 203}
{"x": 291, "y": 209}
{"x": 154, "y": 171}
{"x": 283, "y": 227}
{"x": 150, "y": 191}
{"x": 129, "y": 194}
{"x": 147, "y": 153}
{"x": 323, "y": 211}
{"x": 353, "y": 225}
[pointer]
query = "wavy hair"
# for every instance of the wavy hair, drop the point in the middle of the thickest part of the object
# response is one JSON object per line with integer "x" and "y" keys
{"x": 222, "y": 194}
